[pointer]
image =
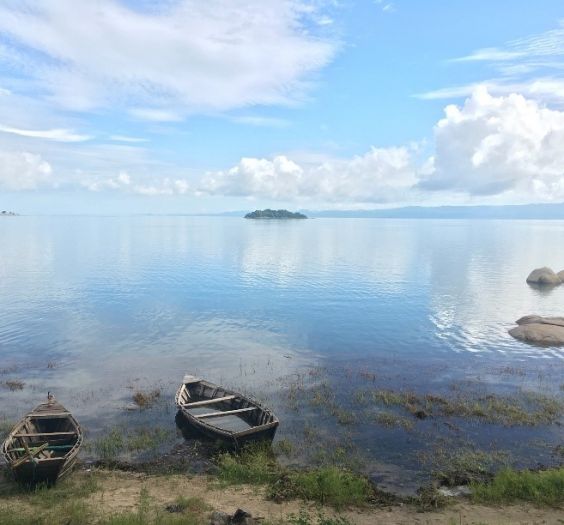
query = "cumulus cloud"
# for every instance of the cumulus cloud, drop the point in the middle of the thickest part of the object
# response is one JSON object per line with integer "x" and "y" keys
{"x": 507, "y": 148}
{"x": 380, "y": 175}
{"x": 489, "y": 146}
{"x": 164, "y": 62}
{"x": 492, "y": 145}
{"x": 23, "y": 171}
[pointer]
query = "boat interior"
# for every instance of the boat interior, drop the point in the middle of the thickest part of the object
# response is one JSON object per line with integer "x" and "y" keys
{"x": 221, "y": 408}
{"x": 42, "y": 438}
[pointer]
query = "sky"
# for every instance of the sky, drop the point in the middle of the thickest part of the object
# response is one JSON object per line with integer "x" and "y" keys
{"x": 192, "y": 106}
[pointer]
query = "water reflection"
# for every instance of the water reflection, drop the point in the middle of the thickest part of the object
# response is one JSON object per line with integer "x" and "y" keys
{"x": 94, "y": 308}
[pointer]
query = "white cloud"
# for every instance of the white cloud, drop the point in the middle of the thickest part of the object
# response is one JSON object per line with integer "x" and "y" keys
{"x": 59, "y": 135}
{"x": 124, "y": 182}
{"x": 494, "y": 145}
{"x": 23, "y": 171}
{"x": 126, "y": 138}
{"x": 162, "y": 63}
{"x": 270, "y": 122}
{"x": 547, "y": 44}
{"x": 381, "y": 175}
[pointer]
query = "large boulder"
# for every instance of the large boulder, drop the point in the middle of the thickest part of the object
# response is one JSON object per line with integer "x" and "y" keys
{"x": 561, "y": 275}
{"x": 544, "y": 276}
{"x": 548, "y": 331}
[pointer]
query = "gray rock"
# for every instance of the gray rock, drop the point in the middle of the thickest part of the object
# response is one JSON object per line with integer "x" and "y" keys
{"x": 544, "y": 276}
{"x": 454, "y": 492}
{"x": 539, "y": 330}
{"x": 220, "y": 518}
{"x": 561, "y": 275}
{"x": 241, "y": 517}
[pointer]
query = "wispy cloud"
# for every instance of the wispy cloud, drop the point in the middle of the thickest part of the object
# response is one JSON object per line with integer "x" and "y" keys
{"x": 58, "y": 135}
{"x": 176, "y": 59}
{"x": 125, "y": 138}
{"x": 531, "y": 66}
{"x": 547, "y": 44}
{"x": 387, "y": 7}
{"x": 261, "y": 121}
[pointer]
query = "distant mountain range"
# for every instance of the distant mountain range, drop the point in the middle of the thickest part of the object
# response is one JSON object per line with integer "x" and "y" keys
{"x": 522, "y": 211}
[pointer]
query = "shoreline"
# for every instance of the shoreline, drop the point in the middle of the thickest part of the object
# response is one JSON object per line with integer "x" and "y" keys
{"x": 101, "y": 496}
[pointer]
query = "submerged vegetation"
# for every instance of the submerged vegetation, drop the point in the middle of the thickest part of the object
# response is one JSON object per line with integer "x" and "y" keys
{"x": 146, "y": 399}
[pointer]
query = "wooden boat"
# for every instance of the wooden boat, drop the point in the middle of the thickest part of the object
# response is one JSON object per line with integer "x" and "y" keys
{"x": 222, "y": 414}
{"x": 43, "y": 446}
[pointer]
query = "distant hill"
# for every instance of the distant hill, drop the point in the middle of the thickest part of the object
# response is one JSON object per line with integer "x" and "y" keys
{"x": 509, "y": 212}
{"x": 274, "y": 214}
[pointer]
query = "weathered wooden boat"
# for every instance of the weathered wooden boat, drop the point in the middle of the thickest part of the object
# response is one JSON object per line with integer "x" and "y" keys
{"x": 44, "y": 445}
{"x": 222, "y": 414}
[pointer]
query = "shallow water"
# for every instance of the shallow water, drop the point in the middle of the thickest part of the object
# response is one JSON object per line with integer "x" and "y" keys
{"x": 94, "y": 308}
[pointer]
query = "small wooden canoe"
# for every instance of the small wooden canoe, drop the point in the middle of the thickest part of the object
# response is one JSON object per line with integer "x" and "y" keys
{"x": 222, "y": 414}
{"x": 43, "y": 446}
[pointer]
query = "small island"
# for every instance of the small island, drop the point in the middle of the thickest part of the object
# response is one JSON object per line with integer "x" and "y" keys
{"x": 274, "y": 214}
{"x": 7, "y": 214}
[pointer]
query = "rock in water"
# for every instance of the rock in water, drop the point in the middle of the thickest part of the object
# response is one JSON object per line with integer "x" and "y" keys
{"x": 534, "y": 329}
{"x": 561, "y": 275}
{"x": 544, "y": 276}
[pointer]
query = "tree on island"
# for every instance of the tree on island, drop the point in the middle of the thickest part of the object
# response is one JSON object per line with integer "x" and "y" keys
{"x": 274, "y": 214}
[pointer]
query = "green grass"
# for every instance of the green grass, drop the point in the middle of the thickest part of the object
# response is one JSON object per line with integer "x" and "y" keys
{"x": 328, "y": 486}
{"x": 255, "y": 465}
{"x": 120, "y": 440}
{"x": 508, "y": 486}
{"x": 389, "y": 419}
{"x": 521, "y": 409}
{"x": 110, "y": 446}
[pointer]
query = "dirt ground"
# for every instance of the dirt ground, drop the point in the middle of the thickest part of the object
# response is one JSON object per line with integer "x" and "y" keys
{"x": 121, "y": 492}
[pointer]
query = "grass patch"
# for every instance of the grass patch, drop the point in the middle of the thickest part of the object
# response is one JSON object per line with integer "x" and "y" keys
{"x": 389, "y": 419}
{"x": 120, "y": 440}
{"x": 14, "y": 384}
{"x": 453, "y": 467}
{"x": 508, "y": 486}
{"x": 285, "y": 447}
{"x": 109, "y": 447}
{"x": 328, "y": 486}
{"x": 193, "y": 504}
{"x": 147, "y": 439}
{"x": 521, "y": 409}
{"x": 255, "y": 465}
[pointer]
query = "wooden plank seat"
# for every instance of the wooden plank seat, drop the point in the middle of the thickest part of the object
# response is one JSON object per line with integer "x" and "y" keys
{"x": 208, "y": 402}
{"x": 42, "y": 434}
{"x": 49, "y": 415}
{"x": 226, "y": 413}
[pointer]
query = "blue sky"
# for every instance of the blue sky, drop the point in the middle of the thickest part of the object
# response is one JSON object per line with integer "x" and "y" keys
{"x": 115, "y": 106}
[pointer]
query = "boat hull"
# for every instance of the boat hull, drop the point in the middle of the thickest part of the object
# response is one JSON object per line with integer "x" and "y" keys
{"x": 43, "y": 446}
{"x": 262, "y": 423}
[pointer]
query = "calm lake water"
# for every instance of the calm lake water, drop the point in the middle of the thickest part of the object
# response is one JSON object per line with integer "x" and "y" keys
{"x": 94, "y": 308}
